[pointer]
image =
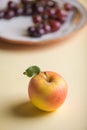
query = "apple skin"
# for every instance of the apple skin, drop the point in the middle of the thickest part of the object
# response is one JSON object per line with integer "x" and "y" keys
{"x": 47, "y": 91}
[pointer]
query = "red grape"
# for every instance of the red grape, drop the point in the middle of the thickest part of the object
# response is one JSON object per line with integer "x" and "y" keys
{"x": 55, "y": 25}
{"x": 68, "y": 6}
{"x": 37, "y": 18}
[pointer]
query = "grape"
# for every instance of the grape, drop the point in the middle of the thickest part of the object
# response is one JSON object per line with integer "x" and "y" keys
{"x": 55, "y": 25}
{"x": 9, "y": 14}
{"x": 68, "y": 6}
{"x": 11, "y": 5}
{"x": 37, "y": 18}
{"x": 19, "y": 11}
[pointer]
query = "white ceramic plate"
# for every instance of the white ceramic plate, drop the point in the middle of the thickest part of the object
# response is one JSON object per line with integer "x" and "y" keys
{"x": 14, "y": 30}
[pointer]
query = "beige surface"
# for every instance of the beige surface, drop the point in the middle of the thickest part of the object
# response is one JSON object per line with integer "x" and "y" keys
{"x": 68, "y": 59}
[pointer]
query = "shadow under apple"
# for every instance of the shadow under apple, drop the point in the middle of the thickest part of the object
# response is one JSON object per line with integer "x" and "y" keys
{"x": 27, "y": 110}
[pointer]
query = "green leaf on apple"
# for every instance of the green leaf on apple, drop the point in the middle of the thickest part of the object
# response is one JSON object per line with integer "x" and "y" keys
{"x": 32, "y": 71}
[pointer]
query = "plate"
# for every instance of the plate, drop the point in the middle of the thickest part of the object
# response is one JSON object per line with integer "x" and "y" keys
{"x": 14, "y": 30}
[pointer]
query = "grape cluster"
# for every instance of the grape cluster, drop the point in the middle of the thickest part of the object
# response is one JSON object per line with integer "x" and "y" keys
{"x": 47, "y": 15}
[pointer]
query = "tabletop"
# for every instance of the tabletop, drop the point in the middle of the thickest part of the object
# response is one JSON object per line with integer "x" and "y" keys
{"x": 68, "y": 59}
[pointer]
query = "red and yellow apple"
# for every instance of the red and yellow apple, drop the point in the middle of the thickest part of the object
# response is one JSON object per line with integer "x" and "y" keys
{"x": 47, "y": 90}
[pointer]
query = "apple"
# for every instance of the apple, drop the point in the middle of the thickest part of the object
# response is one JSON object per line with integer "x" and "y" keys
{"x": 47, "y": 89}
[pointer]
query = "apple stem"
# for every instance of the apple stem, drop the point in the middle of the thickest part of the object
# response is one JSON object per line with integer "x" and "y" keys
{"x": 46, "y": 76}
